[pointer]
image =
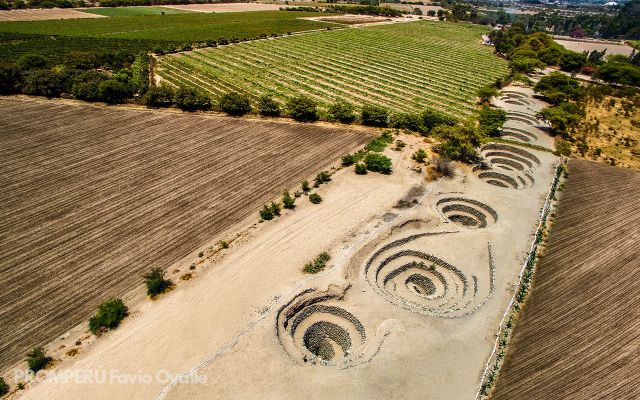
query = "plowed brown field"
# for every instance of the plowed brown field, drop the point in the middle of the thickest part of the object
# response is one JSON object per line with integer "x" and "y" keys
{"x": 91, "y": 197}
{"x": 579, "y": 334}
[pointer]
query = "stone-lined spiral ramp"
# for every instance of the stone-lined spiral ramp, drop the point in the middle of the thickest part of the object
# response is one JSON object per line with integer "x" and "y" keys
{"x": 424, "y": 283}
{"x": 315, "y": 328}
{"x": 515, "y": 133}
{"x": 510, "y": 166}
{"x": 466, "y": 212}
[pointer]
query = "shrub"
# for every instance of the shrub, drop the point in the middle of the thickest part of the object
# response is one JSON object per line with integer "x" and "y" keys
{"x": 361, "y": 169}
{"x": 315, "y": 198}
{"x": 444, "y": 167}
{"x": 235, "y": 104}
{"x": 188, "y": 99}
{"x": 159, "y": 96}
{"x": 322, "y": 177}
{"x": 268, "y": 107}
{"x": 318, "y": 264}
{"x": 109, "y": 315}
{"x": 156, "y": 282}
{"x": 378, "y": 163}
{"x": 485, "y": 93}
{"x": 563, "y": 148}
{"x": 302, "y": 109}
{"x": 420, "y": 156}
{"x": 266, "y": 213}
{"x": 85, "y": 85}
{"x": 559, "y": 87}
{"x": 375, "y": 116}
{"x": 4, "y": 387}
{"x": 43, "y": 83}
{"x": 28, "y": 62}
{"x": 223, "y": 244}
{"x": 341, "y": 111}
{"x": 275, "y": 209}
{"x": 113, "y": 91}
{"x": 288, "y": 202}
{"x": 10, "y": 78}
{"x": 379, "y": 143}
{"x": 37, "y": 359}
{"x": 305, "y": 186}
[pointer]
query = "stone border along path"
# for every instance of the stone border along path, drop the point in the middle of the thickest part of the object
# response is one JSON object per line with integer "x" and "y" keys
{"x": 272, "y": 304}
{"x": 544, "y": 213}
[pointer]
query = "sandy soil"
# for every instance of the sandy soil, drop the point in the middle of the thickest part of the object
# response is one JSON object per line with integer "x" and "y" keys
{"x": 226, "y": 7}
{"x": 228, "y": 326}
{"x": 37, "y": 14}
{"x": 589, "y": 45}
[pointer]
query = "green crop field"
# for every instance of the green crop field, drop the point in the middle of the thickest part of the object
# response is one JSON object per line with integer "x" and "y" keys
{"x": 133, "y": 11}
{"x": 404, "y": 67}
{"x": 56, "y": 38}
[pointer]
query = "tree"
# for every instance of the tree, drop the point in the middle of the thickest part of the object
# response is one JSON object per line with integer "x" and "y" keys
{"x": 28, "y": 62}
{"x": 485, "y": 93}
{"x": 525, "y": 65}
{"x": 188, "y": 99}
{"x": 563, "y": 118}
{"x": 558, "y": 87}
{"x": 112, "y": 91}
{"x": 10, "y": 79}
{"x": 620, "y": 73}
{"x": 156, "y": 282}
{"x": 268, "y": 107}
{"x": 376, "y": 162}
{"x": 315, "y": 198}
{"x": 43, "y": 82}
{"x": 341, "y": 111}
{"x": 458, "y": 142}
{"x": 266, "y": 213}
{"x": 431, "y": 119}
{"x": 361, "y": 169}
{"x": 159, "y": 96}
{"x": 109, "y": 315}
{"x": 302, "y": 109}
{"x": 572, "y": 61}
{"x": 37, "y": 359}
{"x": 375, "y": 116}
{"x": 305, "y": 186}
{"x": 491, "y": 120}
{"x": 410, "y": 121}
{"x": 4, "y": 387}
{"x": 288, "y": 201}
{"x": 235, "y": 104}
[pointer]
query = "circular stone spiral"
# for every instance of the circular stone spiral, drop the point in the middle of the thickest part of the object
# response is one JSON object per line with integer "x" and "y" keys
{"x": 314, "y": 332}
{"x": 467, "y": 212}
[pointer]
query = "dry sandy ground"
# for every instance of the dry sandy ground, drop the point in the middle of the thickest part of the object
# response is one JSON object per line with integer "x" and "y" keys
{"x": 38, "y": 14}
{"x": 226, "y": 7}
{"x": 230, "y": 326}
{"x": 589, "y": 45}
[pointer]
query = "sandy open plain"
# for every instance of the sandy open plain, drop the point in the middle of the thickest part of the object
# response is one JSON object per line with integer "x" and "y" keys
{"x": 419, "y": 278}
{"x": 92, "y": 197}
{"x": 226, "y": 7}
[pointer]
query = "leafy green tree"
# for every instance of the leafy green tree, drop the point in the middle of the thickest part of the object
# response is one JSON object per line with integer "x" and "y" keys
{"x": 288, "y": 201}
{"x": 189, "y": 99}
{"x": 322, "y": 177}
{"x": 10, "y": 79}
{"x": 275, "y": 209}
{"x": 303, "y": 109}
{"x": 361, "y": 169}
{"x": 112, "y": 91}
{"x": 305, "y": 186}
{"x": 315, "y": 198}
{"x": 374, "y": 116}
{"x": 619, "y": 73}
{"x": 159, "y": 96}
{"x": 266, "y": 213}
{"x": 268, "y": 107}
{"x": 376, "y": 162}
{"x": 4, "y": 387}
{"x": 342, "y": 111}
{"x": 458, "y": 142}
{"x": 37, "y": 359}
{"x": 28, "y": 62}
{"x": 491, "y": 120}
{"x": 572, "y": 61}
{"x": 109, "y": 315}
{"x": 563, "y": 118}
{"x": 235, "y": 104}
{"x": 558, "y": 87}
{"x": 155, "y": 282}
{"x": 410, "y": 121}
{"x": 42, "y": 82}
{"x": 432, "y": 118}
{"x": 485, "y": 93}
{"x": 525, "y": 65}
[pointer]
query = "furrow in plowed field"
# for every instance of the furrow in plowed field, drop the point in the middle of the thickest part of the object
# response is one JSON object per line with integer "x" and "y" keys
{"x": 404, "y": 67}
{"x": 93, "y": 197}
{"x": 579, "y": 334}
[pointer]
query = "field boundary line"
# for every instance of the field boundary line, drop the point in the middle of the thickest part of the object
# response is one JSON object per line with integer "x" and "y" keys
{"x": 272, "y": 306}
{"x": 532, "y": 253}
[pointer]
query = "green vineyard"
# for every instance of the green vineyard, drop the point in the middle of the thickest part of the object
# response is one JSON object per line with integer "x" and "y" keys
{"x": 403, "y": 67}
